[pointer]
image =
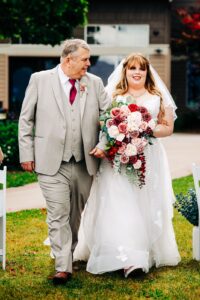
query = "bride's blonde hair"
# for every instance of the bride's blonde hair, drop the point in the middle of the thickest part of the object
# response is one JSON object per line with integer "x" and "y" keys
{"x": 122, "y": 86}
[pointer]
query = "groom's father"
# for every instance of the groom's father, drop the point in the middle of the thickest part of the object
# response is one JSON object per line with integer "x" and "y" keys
{"x": 58, "y": 139}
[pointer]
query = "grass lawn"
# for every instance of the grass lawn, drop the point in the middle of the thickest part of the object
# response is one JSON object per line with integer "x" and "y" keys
{"x": 29, "y": 266}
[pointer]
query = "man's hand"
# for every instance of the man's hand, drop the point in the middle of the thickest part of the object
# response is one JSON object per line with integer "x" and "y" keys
{"x": 28, "y": 166}
{"x": 97, "y": 153}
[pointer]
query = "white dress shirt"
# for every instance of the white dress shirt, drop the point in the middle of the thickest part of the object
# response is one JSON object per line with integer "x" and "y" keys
{"x": 64, "y": 79}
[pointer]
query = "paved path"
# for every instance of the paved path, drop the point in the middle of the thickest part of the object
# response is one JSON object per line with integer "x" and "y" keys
{"x": 182, "y": 150}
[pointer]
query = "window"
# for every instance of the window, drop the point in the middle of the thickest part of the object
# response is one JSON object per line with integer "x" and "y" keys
{"x": 118, "y": 35}
{"x": 103, "y": 66}
{"x": 193, "y": 79}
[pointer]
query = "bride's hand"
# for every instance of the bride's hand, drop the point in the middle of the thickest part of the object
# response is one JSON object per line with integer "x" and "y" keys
{"x": 165, "y": 127}
{"x": 97, "y": 153}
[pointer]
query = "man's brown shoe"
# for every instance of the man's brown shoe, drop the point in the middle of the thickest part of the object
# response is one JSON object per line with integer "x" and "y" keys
{"x": 61, "y": 277}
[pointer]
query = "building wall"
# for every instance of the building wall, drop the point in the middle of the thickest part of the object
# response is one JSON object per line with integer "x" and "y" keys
{"x": 4, "y": 80}
{"x": 155, "y": 13}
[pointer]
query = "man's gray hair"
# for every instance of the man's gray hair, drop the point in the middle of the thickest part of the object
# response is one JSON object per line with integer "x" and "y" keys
{"x": 70, "y": 46}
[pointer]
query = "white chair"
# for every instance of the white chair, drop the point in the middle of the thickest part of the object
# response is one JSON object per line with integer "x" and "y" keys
{"x": 196, "y": 231}
{"x": 3, "y": 217}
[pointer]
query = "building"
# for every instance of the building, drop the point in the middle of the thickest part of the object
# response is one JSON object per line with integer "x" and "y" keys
{"x": 185, "y": 78}
{"x": 113, "y": 31}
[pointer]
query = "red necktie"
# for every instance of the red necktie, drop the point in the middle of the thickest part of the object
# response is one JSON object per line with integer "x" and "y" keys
{"x": 73, "y": 91}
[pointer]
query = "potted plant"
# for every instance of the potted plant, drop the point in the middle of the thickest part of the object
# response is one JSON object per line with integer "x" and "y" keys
{"x": 187, "y": 205}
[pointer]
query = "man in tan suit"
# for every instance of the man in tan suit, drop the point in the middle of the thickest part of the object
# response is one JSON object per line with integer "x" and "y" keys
{"x": 58, "y": 139}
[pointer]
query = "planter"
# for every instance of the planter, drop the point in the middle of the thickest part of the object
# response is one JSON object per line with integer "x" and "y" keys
{"x": 196, "y": 243}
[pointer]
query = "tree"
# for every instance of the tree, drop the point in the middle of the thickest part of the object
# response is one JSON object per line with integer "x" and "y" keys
{"x": 187, "y": 38}
{"x": 41, "y": 21}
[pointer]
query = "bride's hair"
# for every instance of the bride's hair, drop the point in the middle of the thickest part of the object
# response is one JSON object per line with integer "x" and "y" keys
{"x": 122, "y": 86}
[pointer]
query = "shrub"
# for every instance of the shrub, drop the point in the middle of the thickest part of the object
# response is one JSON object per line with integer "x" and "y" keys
{"x": 188, "y": 207}
{"x": 9, "y": 143}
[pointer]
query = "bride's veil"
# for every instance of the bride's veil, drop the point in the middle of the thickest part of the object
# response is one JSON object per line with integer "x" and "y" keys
{"x": 115, "y": 77}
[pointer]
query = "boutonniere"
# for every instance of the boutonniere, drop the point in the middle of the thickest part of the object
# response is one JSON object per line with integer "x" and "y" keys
{"x": 83, "y": 87}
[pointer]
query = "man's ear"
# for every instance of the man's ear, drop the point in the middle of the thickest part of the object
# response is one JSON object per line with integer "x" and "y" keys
{"x": 67, "y": 59}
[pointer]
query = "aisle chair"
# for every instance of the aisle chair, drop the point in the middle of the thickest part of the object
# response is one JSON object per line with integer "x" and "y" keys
{"x": 3, "y": 217}
{"x": 196, "y": 230}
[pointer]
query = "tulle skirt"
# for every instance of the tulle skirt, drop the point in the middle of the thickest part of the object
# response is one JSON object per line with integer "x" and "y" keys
{"x": 123, "y": 225}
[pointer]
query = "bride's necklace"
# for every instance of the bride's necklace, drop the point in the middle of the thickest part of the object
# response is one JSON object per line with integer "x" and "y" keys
{"x": 138, "y": 95}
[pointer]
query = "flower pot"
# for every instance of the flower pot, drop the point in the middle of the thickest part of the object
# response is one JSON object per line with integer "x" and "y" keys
{"x": 196, "y": 243}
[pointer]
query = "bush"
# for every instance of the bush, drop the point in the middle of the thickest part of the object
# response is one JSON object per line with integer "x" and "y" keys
{"x": 188, "y": 207}
{"x": 9, "y": 143}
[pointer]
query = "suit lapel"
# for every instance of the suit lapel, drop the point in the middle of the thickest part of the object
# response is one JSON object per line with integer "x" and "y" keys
{"x": 56, "y": 86}
{"x": 83, "y": 94}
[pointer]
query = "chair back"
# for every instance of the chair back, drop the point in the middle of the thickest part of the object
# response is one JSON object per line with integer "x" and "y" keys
{"x": 3, "y": 217}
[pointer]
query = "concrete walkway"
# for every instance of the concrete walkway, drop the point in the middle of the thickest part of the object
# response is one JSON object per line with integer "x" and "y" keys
{"x": 182, "y": 150}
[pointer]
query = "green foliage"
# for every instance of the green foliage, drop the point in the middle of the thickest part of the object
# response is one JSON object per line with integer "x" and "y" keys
{"x": 188, "y": 207}
{"x": 9, "y": 143}
{"x": 41, "y": 21}
{"x": 182, "y": 185}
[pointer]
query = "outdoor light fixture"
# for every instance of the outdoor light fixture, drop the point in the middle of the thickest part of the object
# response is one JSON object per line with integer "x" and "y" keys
{"x": 158, "y": 51}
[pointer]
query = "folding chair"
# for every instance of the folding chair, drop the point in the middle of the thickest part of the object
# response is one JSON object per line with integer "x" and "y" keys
{"x": 3, "y": 217}
{"x": 196, "y": 231}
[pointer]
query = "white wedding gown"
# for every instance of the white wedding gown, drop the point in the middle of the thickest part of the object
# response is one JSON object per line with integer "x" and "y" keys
{"x": 123, "y": 225}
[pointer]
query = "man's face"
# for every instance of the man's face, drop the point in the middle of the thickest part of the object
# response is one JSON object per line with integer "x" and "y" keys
{"x": 78, "y": 63}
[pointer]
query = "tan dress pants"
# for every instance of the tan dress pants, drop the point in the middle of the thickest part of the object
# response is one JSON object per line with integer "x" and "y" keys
{"x": 66, "y": 193}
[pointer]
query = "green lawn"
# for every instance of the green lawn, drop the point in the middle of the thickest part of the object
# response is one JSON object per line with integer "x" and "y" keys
{"x": 19, "y": 178}
{"x": 29, "y": 266}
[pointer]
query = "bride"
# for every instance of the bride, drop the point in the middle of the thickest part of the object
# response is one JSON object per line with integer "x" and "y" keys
{"x": 123, "y": 226}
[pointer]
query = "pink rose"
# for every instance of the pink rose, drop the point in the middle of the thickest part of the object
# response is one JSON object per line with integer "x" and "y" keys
{"x": 109, "y": 123}
{"x": 124, "y": 159}
{"x": 138, "y": 164}
{"x": 134, "y": 134}
{"x": 122, "y": 127}
{"x": 143, "y": 126}
{"x": 115, "y": 112}
{"x": 122, "y": 148}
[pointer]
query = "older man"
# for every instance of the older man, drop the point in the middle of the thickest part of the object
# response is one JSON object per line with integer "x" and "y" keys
{"x": 58, "y": 139}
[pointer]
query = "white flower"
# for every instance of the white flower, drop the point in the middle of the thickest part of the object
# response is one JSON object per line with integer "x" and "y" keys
{"x": 152, "y": 124}
{"x": 131, "y": 150}
{"x": 120, "y": 137}
{"x": 138, "y": 164}
{"x": 134, "y": 121}
{"x": 113, "y": 131}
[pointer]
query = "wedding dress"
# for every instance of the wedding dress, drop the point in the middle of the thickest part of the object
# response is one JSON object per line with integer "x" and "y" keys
{"x": 123, "y": 225}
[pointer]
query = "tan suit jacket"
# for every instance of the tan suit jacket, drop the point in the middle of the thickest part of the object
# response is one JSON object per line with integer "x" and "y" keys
{"x": 42, "y": 124}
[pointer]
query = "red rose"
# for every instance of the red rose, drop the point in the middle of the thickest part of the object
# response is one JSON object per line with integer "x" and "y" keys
{"x": 146, "y": 117}
{"x": 112, "y": 151}
{"x": 133, "y": 159}
{"x": 133, "y": 107}
{"x": 142, "y": 109}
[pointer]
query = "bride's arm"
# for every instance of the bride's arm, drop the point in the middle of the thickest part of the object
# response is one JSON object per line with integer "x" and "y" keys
{"x": 166, "y": 127}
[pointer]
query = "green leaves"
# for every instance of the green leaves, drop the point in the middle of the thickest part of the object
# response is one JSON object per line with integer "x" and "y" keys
{"x": 9, "y": 143}
{"x": 188, "y": 207}
{"x": 41, "y": 22}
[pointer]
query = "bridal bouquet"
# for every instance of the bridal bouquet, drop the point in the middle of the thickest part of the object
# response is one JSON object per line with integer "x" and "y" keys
{"x": 128, "y": 129}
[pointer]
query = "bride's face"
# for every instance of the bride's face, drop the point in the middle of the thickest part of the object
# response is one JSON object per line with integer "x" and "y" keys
{"x": 136, "y": 76}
